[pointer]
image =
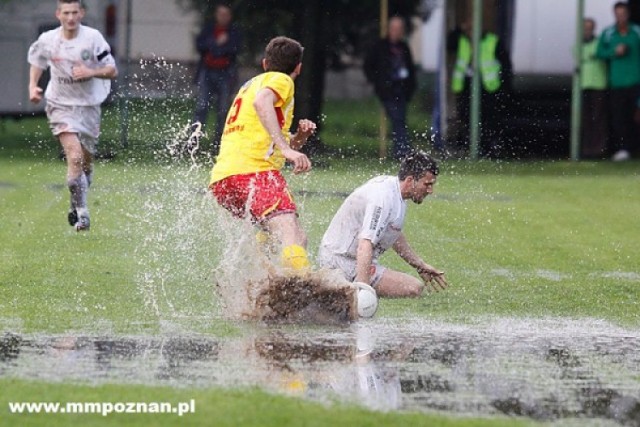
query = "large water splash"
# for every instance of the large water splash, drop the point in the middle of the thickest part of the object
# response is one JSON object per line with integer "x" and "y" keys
{"x": 194, "y": 259}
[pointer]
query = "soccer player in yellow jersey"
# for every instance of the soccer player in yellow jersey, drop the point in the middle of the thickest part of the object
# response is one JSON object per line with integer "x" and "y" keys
{"x": 255, "y": 145}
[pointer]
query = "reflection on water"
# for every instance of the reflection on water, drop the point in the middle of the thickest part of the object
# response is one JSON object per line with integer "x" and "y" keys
{"x": 550, "y": 370}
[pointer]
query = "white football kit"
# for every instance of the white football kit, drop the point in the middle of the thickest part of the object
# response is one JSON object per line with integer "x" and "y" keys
{"x": 375, "y": 211}
{"x": 73, "y": 105}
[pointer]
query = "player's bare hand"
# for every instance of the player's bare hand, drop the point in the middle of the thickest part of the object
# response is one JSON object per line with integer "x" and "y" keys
{"x": 35, "y": 94}
{"x": 301, "y": 162}
{"x": 81, "y": 71}
{"x": 222, "y": 39}
{"x": 433, "y": 278}
{"x": 621, "y": 49}
{"x": 306, "y": 128}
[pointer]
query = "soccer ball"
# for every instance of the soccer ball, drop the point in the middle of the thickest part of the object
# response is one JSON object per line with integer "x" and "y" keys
{"x": 367, "y": 300}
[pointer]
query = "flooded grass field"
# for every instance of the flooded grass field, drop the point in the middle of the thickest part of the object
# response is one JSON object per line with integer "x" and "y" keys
{"x": 553, "y": 370}
{"x": 540, "y": 322}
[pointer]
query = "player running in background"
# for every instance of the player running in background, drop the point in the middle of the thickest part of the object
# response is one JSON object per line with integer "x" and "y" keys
{"x": 255, "y": 144}
{"x": 81, "y": 67}
{"x": 370, "y": 221}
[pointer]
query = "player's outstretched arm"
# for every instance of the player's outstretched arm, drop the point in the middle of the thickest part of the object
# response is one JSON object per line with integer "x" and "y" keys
{"x": 430, "y": 275}
{"x": 264, "y": 106}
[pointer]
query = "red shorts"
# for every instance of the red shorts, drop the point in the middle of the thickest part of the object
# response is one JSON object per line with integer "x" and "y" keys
{"x": 263, "y": 194}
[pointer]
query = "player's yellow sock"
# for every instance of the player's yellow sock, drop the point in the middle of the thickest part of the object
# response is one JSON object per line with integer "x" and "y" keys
{"x": 294, "y": 257}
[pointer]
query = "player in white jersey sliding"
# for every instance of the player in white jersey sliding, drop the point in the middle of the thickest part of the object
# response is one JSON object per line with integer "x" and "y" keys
{"x": 370, "y": 221}
{"x": 81, "y": 67}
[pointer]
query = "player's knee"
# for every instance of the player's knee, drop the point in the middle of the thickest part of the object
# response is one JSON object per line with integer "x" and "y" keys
{"x": 413, "y": 288}
{"x": 414, "y": 291}
{"x": 75, "y": 158}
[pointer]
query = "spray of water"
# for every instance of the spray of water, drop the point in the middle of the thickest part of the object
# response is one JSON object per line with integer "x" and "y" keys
{"x": 187, "y": 143}
{"x": 194, "y": 258}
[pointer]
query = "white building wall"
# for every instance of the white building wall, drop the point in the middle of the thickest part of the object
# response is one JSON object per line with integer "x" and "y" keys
{"x": 545, "y": 33}
{"x": 159, "y": 28}
{"x": 430, "y": 33}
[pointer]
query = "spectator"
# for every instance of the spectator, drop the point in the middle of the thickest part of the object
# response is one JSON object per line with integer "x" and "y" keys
{"x": 593, "y": 79}
{"x": 218, "y": 44}
{"x": 81, "y": 68}
{"x": 389, "y": 67}
{"x": 619, "y": 44}
{"x": 495, "y": 73}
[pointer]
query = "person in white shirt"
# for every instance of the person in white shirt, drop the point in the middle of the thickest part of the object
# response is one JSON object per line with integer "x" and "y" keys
{"x": 370, "y": 221}
{"x": 81, "y": 67}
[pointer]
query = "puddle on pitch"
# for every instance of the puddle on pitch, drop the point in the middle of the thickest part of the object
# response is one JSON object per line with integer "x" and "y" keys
{"x": 553, "y": 370}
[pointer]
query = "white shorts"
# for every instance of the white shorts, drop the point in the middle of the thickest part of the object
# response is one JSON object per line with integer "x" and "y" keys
{"x": 82, "y": 120}
{"x": 347, "y": 266}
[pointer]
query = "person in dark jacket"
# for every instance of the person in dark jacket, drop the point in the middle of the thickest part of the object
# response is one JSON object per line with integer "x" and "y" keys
{"x": 218, "y": 44}
{"x": 389, "y": 67}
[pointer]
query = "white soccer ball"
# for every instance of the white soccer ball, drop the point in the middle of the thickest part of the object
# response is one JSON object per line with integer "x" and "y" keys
{"x": 367, "y": 300}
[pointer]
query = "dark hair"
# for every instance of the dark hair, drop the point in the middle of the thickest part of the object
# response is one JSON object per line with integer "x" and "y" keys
{"x": 223, "y": 5}
{"x": 70, "y": 2}
{"x": 283, "y": 54}
{"x": 621, "y": 4}
{"x": 416, "y": 164}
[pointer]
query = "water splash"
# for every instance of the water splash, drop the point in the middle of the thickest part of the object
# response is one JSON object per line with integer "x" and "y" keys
{"x": 187, "y": 143}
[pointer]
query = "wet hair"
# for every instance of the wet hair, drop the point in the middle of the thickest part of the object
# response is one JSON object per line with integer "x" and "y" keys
{"x": 283, "y": 54}
{"x": 416, "y": 164}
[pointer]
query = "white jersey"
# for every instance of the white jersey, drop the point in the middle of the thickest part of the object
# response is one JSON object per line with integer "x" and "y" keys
{"x": 374, "y": 211}
{"x": 53, "y": 51}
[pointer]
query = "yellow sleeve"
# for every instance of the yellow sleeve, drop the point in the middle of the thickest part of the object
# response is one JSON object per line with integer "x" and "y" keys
{"x": 282, "y": 85}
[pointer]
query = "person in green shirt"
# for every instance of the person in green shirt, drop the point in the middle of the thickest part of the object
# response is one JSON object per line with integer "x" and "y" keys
{"x": 593, "y": 80}
{"x": 619, "y": 45}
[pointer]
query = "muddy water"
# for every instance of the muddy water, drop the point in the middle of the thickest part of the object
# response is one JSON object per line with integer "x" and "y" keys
{"x": 578, "y": 372}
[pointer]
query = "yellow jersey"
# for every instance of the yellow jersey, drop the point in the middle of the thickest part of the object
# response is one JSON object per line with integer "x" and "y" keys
{"x": 246, "y": 147}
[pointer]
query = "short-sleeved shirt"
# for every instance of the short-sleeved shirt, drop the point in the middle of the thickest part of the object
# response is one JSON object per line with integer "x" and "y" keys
{"x": 246, "y": 146}
{"x": 375, "y": 211}
{"x": 53, "y": 51}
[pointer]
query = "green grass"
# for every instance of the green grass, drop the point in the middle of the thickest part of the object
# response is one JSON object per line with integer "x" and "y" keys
{"x": 213, "y": 407}
{"x": 518, "y": 239}
{"x": 534, "y": 239}
{"x": 537, "y": 239}
{"x": 353, "y": 127}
